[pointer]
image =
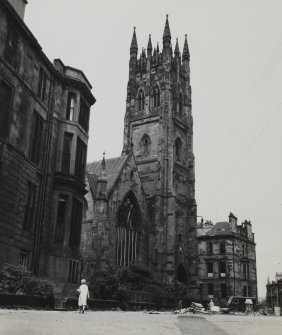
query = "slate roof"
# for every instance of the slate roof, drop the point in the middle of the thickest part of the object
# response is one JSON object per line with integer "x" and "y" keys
{"x": 113, "y": 169}
{"x": 220, "y": 228}
{"x": 92, "y": 179}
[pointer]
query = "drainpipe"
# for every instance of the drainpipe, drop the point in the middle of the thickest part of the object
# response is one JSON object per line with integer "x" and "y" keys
{"x": 43, "y": 188}
{"x": 233, "y": 268}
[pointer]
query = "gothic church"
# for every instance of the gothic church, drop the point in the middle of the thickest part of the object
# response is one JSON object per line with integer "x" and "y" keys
{"x": 141, "y": 206}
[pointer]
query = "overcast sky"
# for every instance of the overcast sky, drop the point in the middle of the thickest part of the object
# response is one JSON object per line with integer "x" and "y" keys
{"x": 236, "y": 76}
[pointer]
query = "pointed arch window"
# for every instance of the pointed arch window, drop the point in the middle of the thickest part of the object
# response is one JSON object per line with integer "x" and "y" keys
{"x": 180, "y": 104}
{"x": 145, "y": 145}
{"x": 128, "y": 230}
{"x": 178, "y": 149}
{"x": 141, "y": 100}
{"x": 157, "y": 96}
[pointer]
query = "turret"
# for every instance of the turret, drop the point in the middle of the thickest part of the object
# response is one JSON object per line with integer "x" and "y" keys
{"x": 134, "y": 45}
{"x": 167, "y": 49}
{"x": 133, "y": 56}
{"x": 176, "y": 50}
{"x": 186, "y": 60}
{"x": 166, "y": 35}
{"x": 185, "y": 54}
{"x": 149, "y": 47}
{"x": 102, "y": 181}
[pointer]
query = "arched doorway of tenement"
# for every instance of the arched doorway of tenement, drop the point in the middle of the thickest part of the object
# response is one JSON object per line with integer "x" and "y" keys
{"x": 128, "y": 230}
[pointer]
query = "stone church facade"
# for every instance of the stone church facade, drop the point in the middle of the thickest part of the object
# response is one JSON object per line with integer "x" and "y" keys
{"x": 157, "y": 177}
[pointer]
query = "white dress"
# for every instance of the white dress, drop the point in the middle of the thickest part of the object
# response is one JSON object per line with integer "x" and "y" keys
{"x": 83, "y": 295}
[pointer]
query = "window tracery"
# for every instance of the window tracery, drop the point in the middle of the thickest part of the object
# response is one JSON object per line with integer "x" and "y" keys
{"x": 178, "y": 149}
{"x": 141, "y": 100}
{"x": 145, "y": 145}
{"x": 156, "y": 96}
{"x": 128, "y": 230}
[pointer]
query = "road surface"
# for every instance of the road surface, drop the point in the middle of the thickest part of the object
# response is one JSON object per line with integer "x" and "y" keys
{"x": 30, "y": 322}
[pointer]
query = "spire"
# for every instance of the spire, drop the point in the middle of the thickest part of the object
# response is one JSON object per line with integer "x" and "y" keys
{"x": 166, "y": 35}
{"x": 103, "y": 166}
{"x": 158, "y": 49}
{"x": 185, "y": 53}
{"x": 102, "y": 181}
{"x": 149, "y": 47}
{"x": 176, "y": 50}
{"x": 143, "y": 53}
{"x": 134, "y": 46}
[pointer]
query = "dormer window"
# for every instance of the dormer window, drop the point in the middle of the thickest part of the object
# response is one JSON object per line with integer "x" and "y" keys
{"x": 71, "y": 104}
{"x": 156, "y": 96}
{"x": 145, "y": 145}
{"x": 141, "y": 100}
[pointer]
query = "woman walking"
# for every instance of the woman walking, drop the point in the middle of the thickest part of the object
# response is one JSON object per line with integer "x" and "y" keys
{"x": 83, "y": 296}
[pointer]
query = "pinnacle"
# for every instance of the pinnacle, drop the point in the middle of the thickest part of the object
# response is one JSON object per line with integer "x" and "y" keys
{"x": 149, "y": 47}
{"x": 134, "y": 46}
{"x": 166, "y": 35}
{"x": 185, "y": 54}
{"x": 176, "y": 50}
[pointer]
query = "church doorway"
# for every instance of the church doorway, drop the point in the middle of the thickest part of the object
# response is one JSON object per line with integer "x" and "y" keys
{"x": 181, "y": 275}
{"x": 128, "y": 230}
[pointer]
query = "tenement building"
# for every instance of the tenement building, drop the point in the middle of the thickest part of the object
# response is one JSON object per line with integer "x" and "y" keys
{"x": 274, "y": 291}
{"x": 44, "y": 116}
{"x": 142, "y": 205}
{"x": 226, "y": 260}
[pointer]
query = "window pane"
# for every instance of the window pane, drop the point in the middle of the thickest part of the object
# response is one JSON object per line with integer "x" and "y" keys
{"x": 11, "y": 46}
{"x": 83, "y": 118}
{"x": 67, "y": 152}
{"x": 71, "y": 106}
{"x": 60, "y": 224}
{"x": 209, "y": 249}
{"x": 210, "y": 267}
{"x": 80, "y": 160}
{"x": 42, "y": 81}
{"x": 5, "y": 104}
{"x": 29, "y": 207}
{"x": 36, "y": 138}
{"x": 223, "y": 290}
{"x": 24, "y": 258}
{"x": 76, "y": 221}
{"x": 222, "y": 247}
{"x": 210, "y": 289}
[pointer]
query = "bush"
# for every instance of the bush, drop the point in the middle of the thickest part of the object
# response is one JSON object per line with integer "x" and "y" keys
{"x": 38, "y": 286}
{"x": 115, "y": 283}
{"x": 11, "y": 278}
{"x": 105, "y": 284}
{"x": 17, "y": 279}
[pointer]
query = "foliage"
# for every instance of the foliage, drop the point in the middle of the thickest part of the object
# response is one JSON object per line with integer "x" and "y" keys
{"x": 17, "y": 279}
{"x": 179, "y": 290}
{"x": 105, "y": 284}
{"x": 114, "y": 284}
{"x": 11, "y": 278}
{"x": 38, "y": 286}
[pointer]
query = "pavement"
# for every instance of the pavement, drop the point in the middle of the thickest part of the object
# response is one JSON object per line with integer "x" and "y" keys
{"x": 31, "y": 322}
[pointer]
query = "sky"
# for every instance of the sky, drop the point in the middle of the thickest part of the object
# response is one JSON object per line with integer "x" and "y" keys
{"x": 236, "y": 76}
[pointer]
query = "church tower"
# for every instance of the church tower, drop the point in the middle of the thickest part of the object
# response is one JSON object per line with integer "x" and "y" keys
{"x": 159, "y": 126}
